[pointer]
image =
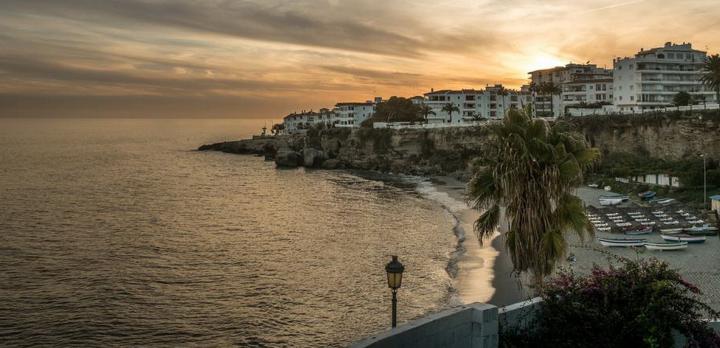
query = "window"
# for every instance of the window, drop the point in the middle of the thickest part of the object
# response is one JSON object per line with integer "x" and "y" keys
{"x": 632, "y": 97}
{"x": 620, "y": 98}
{"x": 469, "y": 97}
{"x": 671, "y": 55}
{"x": 661, "y": 56}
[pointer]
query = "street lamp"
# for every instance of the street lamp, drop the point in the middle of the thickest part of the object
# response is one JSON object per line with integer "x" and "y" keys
{"x": 394, "y": 271}
{"x": 704, "y": 181}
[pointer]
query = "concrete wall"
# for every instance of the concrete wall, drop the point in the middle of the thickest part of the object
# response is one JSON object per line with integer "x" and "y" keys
{"x": 471, "y": 326}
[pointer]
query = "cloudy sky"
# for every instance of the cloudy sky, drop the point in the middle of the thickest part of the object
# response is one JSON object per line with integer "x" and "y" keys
{"x": 266, "y": 58}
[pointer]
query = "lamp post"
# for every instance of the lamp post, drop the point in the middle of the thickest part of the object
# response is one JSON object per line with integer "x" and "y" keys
{"x": 704, "y": 181}
{"x": 394, "y": 271}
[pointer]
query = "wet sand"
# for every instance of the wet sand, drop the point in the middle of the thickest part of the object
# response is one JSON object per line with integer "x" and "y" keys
{"x": 484, "y": 271}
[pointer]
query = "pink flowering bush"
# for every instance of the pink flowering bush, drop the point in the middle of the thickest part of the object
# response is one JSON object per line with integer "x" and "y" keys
{"x": 638, "y": 304}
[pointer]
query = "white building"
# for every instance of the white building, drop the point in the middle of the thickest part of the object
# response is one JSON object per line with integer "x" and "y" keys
{"x": 473, "y": 104}
{"x": 579, "y": 84}
{"x": 653, "y": 77}
{"x": 353, "y": 114}
{"x": 300, "y": 122}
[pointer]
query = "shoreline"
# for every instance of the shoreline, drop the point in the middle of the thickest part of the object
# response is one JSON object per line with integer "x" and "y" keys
{"x": 484, "y": 272}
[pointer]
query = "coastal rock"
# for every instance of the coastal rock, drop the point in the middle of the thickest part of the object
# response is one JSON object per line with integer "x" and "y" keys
{"x": 313, "y": 158}
{"x": 331, "y": 164}
{"x": 287, "y": 158}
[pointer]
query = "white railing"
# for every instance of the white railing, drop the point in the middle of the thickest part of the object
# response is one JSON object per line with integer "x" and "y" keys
{"x": 407, "y": 125}
{"x": 615, "y": 110}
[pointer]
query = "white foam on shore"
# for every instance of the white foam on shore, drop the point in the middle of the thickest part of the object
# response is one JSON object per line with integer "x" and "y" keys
{"x": 428, "y": 190}
{"x": 454, "y": 207}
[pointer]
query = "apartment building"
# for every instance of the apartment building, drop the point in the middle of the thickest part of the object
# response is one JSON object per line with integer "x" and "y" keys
{"x": 472, "y": 104}
{"x": 299, "y": 122}
{"x": 352, "y": 114}
{"x": 653, "y": 77}
{"x": 579, "y": 84}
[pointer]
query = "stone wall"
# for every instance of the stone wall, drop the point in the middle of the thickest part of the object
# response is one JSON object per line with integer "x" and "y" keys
{"x": 471, "y": 326}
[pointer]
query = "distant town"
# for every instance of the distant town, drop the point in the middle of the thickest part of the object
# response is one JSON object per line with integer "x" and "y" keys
{"x": 654, "y": 79}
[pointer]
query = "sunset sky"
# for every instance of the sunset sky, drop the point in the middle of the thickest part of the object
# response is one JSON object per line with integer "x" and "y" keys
{"x": 266, "y": 58}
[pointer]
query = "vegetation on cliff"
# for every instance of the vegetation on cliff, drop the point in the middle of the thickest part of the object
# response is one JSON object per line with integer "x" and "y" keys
{"x": 531, "y": 169}
{"x": 395, "y": 109}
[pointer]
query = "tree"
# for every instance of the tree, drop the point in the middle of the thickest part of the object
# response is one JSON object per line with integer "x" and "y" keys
{"x": 395, "y": 109}
{"x": 682, "y": 99}
{"x": 711, "y": 75}
{"x": 450, "y": 108}
{"x": 550, "y": 88}
{"x": 277, "y": 128}
{"x": 477, "y": 117}
{"x": 425, "y": 110}
{"x": 531, "y": 169}
{"x": 502, "y": 92}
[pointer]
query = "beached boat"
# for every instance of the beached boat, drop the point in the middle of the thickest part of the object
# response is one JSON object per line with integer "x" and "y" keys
{"x": 610, "y": 200}
{"x": 623, "y": 224}
{"x": 698, "y": 221}
{"x": 665, "y": 201}
{"x": 671, "y": 230}
{"x": 621, "y": 242}
{"x": 704, "y": 230}
{"x": 603, "y": 229}
{"x": 666, "y": 246}
{"x": 674, "y": 222}
{"x": 684, "y": 238}
{"x": 632, "y": 231}
{"x": 646, "y": 195}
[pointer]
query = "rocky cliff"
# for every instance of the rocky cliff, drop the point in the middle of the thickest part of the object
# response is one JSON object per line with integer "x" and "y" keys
{"x": 450, "y": 150}
{"x": 670, "y": 136}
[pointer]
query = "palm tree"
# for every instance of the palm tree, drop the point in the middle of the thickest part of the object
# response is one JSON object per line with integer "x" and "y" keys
{"x": 552, "y": 89}
{"x": 450, "y": 108}
{"x": 425, "y": 111}
{"x": 711, "y": 75}
{"x": 502, "y": 92}
{"x": 531, "y": 170}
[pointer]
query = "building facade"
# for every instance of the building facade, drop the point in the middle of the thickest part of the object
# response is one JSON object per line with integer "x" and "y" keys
{"x": 472, "y": 104}
{"x": 653, "y": 77}
{"x": 353, "y": 114}
{"x": 300, "y": 122}
{"x": 578, "y": 85}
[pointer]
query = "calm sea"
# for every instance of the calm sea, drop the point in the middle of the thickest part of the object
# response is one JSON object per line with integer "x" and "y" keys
{"x": 116, "y": 233}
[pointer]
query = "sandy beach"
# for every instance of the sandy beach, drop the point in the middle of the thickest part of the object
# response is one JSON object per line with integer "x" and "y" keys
{"x": 698, "y": 264}
{"x": 484, "y": 270}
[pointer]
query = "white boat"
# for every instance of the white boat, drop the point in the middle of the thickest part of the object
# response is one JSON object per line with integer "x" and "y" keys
{"x": 647, "y": 223}
{"x": 684, "y": 238}
{"x": 594, "y": 185}
{"x": 607, "y": 188}
{"x": 698, "y": 221}
{"x": 612, "y": 214}
{"x": 675, "y": 222}
{"x": 706, "y": 228}
{"x": 671, "y": 230}
{"x": 642, "y": 219}
{"x": 621, "y": 242}
{"x": 665, "y": 201}
{"x": 624, "y": 224}
{"x": 603, "y": 229}
{"x": 666, "y": 246}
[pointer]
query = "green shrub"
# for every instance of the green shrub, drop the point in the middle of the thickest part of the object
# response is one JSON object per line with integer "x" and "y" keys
{"x": 638, "y": 304}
